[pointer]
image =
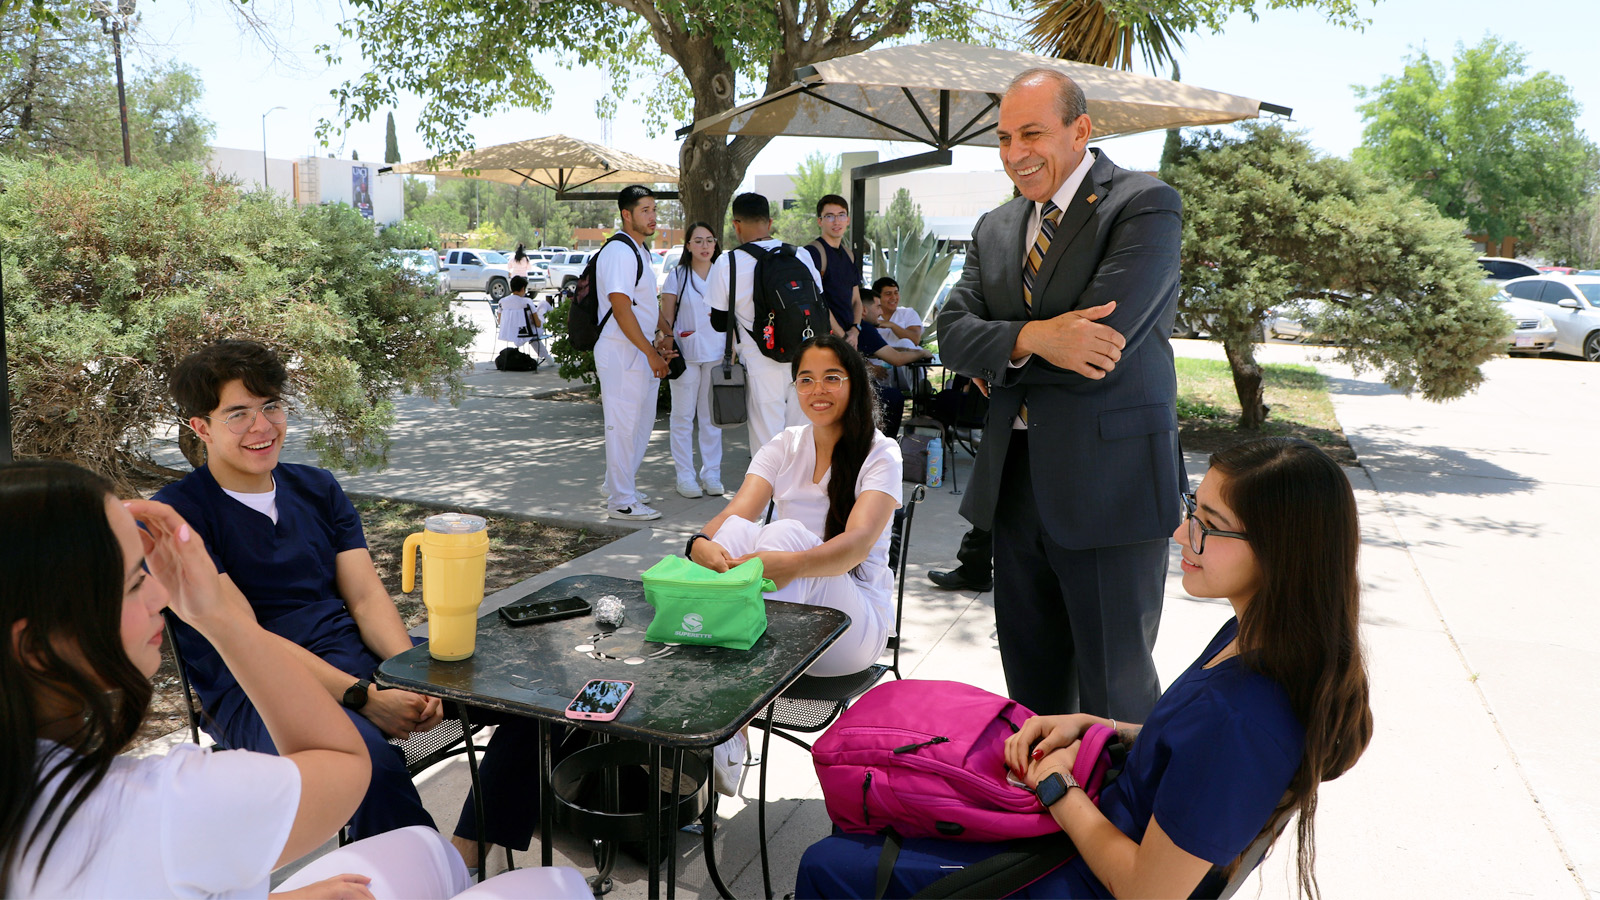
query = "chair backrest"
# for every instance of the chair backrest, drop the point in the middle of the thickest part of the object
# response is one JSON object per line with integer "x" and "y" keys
{"x": 1251, "y": 857}
{"x": 918, "y": 493}
{"x": 189, "y": 702}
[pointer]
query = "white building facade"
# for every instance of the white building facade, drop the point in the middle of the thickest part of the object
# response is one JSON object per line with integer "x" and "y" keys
{"x": 313, "y": 181}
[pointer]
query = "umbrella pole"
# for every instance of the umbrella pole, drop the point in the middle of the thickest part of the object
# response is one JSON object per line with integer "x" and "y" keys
{"x": 858, "y": 187}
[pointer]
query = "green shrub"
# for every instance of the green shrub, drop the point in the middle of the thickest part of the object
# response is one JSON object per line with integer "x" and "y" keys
{"x": 113, "y": 276}
{"x": 409, "y": 236}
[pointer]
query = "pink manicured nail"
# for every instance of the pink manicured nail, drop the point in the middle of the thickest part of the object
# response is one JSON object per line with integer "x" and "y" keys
{"x": 184, "y": 534}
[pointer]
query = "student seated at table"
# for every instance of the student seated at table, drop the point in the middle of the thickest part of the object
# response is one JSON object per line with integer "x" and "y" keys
{"x": 899, "y": 326}
{"x": 81, "y": 605}
{"x": 286, "y": 539}
{"x": 1275, "y": 705}
{"x": 521, "y": 320}
{"x": 835, "y": 483}
{"x": 890, "y": 380}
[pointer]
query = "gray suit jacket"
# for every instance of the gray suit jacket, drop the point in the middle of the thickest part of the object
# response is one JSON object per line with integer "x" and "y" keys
{"x": 1106, "y": 466}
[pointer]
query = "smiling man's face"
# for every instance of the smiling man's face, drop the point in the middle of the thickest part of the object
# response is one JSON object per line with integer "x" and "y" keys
{"x": 1039, "y": 150}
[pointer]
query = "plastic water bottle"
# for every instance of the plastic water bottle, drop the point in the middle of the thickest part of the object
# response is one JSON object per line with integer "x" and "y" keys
{"x": 935, "y": 463}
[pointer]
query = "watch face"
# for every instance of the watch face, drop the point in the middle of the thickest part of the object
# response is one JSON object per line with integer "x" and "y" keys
{"x": 1051, "y": 790}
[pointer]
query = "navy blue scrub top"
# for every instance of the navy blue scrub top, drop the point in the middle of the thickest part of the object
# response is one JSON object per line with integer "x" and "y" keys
{"x": 839, "y": 282}
{"x": 1211, "y": 762}
{"x": 287, "y": 571}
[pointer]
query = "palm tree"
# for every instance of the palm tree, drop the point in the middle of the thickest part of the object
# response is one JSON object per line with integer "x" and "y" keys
{"x": 1086, "y": 31}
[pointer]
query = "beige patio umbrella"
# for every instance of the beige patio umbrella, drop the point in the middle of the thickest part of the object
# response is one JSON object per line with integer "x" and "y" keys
{"x": 558, "y": 162}
{"x": 946, "y": 93}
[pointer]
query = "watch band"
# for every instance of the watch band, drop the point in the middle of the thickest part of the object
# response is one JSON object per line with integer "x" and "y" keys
{"x": 1053, "y": 787}
{"x": 688, "y": 549}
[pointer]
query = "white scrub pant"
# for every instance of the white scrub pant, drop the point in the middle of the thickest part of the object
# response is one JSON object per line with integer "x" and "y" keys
{"x": 864, "y": 641}
{"x": 691, "y": 397}
{"x": 772, "y": 403}
{"x": 418, "y": 863}
{"x": 628, "y": 397}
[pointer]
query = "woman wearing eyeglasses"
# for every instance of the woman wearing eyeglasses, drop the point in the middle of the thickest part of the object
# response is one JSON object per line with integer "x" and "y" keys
{"x": 835, "y": 483}
{"x": 686, "y": 324}
{"x": 1276, "y": 704}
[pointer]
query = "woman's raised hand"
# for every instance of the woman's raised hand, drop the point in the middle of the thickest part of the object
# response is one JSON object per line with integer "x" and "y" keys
{"x": 1042, "y": 735}
{"x": 177, "y": 557}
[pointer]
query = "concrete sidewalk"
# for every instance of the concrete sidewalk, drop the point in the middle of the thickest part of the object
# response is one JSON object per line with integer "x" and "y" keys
{"x": 1480, "y": 779}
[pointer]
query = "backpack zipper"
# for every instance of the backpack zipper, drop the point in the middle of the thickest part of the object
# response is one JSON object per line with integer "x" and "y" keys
{"x": 866, "y": 810}
{"x": 910, "y": 747}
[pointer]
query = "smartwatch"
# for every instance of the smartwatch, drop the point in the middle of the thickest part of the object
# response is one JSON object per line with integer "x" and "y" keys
{"x": 1054, "y": 787}
{"x": 355, "y": 696}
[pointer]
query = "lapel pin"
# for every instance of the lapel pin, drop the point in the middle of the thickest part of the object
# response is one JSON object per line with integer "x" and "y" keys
{"x": 1092, "y": 198}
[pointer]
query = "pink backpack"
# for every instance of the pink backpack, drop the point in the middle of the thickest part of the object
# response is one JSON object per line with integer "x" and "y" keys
{"x": 927, "y": 759}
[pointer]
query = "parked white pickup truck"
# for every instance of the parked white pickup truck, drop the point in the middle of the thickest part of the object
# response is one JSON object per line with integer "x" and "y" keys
{"x": 567, "y": 268}
{"x": 473, "y": 269}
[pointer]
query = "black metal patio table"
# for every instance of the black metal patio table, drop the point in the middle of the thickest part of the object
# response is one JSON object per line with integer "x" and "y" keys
{"x": 685, "y": 697}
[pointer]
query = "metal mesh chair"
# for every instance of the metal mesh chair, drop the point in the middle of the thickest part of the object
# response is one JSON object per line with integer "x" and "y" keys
{"x": 812, "y": 703}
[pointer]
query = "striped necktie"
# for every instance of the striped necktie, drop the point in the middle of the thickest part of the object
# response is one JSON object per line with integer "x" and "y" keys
{"x": 1048, "y": 220}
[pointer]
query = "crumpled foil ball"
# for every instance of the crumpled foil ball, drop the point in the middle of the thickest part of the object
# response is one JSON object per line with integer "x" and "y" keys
{"x": 608, "y": 610}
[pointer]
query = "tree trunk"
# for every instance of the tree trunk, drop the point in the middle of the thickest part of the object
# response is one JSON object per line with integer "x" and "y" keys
{"x": 190, "y": 445}
{"x": 1247, "y": 382}
{"x": 711, "y": 166}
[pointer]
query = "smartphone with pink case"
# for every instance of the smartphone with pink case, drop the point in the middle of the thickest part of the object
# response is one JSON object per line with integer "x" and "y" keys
{"x": 600, "y": 700}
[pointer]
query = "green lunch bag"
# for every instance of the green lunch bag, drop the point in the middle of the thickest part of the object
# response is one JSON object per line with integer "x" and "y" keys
{"x": 695, "y": 605}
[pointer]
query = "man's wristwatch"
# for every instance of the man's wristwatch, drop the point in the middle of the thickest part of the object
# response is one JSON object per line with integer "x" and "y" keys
{"x": 355, "y": 696}
{"x": 1053, "y": 787}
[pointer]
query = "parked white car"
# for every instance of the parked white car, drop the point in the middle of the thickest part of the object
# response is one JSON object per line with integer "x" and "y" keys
{"x": 422, "y": 266}
{"x": 1532, "y": 331}
{"x": 567, "y": 268}
{"x": 1573, "y": 304}
{"x": 476, "y": 269}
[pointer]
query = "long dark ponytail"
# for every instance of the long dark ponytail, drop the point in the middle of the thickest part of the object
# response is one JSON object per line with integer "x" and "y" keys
{"x": 1302, "y": 627}
{"x": 64, "y": 576}
{"x": 859, "y": 424}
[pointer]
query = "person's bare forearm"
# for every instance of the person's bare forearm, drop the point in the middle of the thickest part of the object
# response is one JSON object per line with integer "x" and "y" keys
{"x": 379, "y": 623}
{"x": 282, "y": 680}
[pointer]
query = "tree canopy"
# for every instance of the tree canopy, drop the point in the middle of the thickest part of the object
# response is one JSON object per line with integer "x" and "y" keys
{"x": 58, "y": 94}
{"x": 114, "y": 274}
{"x": 817, "y": 177}
{"x": 1481, "y": 139}
{"x": 1270, "y": 225}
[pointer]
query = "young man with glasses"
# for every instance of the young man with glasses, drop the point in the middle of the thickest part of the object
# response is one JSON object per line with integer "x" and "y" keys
{"x": 287, "y": 540}
{"x": 841, "y": 274}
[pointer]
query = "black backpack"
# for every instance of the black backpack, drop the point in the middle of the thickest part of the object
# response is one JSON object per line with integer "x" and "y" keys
{"x": 788, "y": 309}
{"x": 513, "y": 360}
{"x": 584, "y": 322}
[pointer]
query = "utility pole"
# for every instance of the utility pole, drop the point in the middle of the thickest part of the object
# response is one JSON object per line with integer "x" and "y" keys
{"x": 264, "y": 185}
{"x": 114, "y": 23}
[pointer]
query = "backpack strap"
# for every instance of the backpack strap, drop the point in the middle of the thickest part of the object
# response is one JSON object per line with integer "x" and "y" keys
{"x": 1005, "y": 872}
{"x": 892, "y": 842}
{"x": 619, "y": 236}
{"x": 757, "y": 253}
{"x": 822, "y": 257}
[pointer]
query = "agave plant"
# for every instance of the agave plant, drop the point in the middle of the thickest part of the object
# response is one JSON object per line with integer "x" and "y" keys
{"x": 920, "y": 267}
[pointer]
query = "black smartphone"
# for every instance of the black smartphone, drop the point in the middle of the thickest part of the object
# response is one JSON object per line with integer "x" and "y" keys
{"x": 528, "y": 610}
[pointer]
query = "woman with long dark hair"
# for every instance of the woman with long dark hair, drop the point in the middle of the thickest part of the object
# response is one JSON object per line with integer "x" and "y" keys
{"x": 521, "y": 263}
{"x": 835, "y": 484}
{"x": 1275, "y": 705}
{"x": 686, "y": 325}
{"x": 82, "y": 587}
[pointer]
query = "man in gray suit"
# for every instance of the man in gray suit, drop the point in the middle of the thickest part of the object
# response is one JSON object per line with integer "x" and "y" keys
{"x": 1064, "y": 311}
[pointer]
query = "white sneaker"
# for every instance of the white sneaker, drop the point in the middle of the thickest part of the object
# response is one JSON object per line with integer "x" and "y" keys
{"x": 689, "y": 489}
{"x": 727, "y": 764}
{"x": 638, "y": 512}
{"x": 714, "y": 488}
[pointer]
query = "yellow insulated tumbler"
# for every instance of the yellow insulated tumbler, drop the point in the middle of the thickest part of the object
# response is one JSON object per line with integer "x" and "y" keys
{"x": 454, "y": 549}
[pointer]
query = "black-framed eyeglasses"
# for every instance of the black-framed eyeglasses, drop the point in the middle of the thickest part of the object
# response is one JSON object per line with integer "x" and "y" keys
{"x": 241, "y": 420}
{"x": 835, "y": 217}
{"x": 1198, "y": 532}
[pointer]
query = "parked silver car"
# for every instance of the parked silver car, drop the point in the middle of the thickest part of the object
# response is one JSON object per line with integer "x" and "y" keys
{"x": 1532, "y": 331}
{"x": 1573, "y": 304}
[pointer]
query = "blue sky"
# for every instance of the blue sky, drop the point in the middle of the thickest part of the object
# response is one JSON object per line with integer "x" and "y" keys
{"x": 1289, "y": 58}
